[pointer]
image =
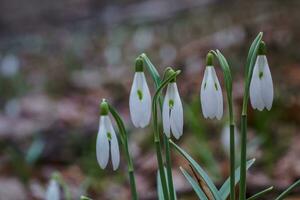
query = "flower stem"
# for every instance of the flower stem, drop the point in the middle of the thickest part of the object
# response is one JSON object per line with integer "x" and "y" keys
{"x": 243, "y": 170}
{"x": 130, "y": 171}
{"x": 169, "y": 168}
{"x": 158, "y": 152}
{"x": 124, "y": 140}
{"x": 155, "y": 101}
{"x": 232, "y": 163}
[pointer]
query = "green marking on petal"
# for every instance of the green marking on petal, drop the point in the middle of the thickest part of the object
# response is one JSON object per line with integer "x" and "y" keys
{"x": 171, "y": 103}
{"x": 260, "y": 75}
{"x": 140, "y": 94}
{"x": 216, "y": 86}
{"x": 204, "y": 85}
{"x": 108, "y": 135}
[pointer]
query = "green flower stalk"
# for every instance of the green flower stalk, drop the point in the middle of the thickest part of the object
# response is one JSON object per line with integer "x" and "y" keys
{"x": 155, "y": 101}
{"x": 228, "y": 85}
{"x": 157, "y": 82}
{"x": 107, "y": 136}
{"x": 251, "y": 59}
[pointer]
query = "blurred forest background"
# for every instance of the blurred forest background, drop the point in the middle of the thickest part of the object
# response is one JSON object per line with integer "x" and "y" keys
{"x": 59, "y": 58}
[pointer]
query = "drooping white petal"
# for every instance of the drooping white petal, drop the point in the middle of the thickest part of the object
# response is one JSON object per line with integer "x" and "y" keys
{"x": 255, "y": 88}
{"x": 134, "y": 102}
{"x": 140, "y": 106}
{"x": 176, "y": 117}
{"x": 211, "y": 95}
{"x": 267, "y": 90}
{"x": 52, "y": 192}
{"x": 166, "y": 113}
{"x": 114, "y": 146}
{"x": 145, "y": 114}
{"x": 102, "y": 144}
{"x": 203, "y": 92}
{"x": 219, "y": 95}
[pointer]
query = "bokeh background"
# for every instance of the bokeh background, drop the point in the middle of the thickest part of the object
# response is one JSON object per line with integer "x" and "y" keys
{"x": 58, "y": 59}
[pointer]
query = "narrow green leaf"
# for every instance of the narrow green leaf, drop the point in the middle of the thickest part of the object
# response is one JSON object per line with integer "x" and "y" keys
{"x": 227, "y": 71}
{"x": 251, "y": 58}
{"x": 160, "y": 193}
{"x": 194, "y": 184}
{"x": 252, "y": 53}
{"x": 259, "y": 194}
{"x": 199, "y": 170}
{"x": 225, "y": 189}
{"x": 288, "y": 190}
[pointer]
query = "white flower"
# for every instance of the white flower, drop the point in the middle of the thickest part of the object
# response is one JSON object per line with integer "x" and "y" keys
{"x": 52, "y": 192}
{"x": 140, "y": 101}
{"x": 172, "y": 112}
{"x": 211, "y": 95}
{"x": 261, "y": 86}
{"x": 107, "y": 142}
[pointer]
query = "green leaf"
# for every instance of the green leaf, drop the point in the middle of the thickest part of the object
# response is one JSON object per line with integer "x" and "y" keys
{"x": 160, "y": 193}
{"x": 225, "y": 189}
{"x": 288, "y": 190}
{"x": 194, "y": 184}
{"x": 199, "y": 170}
{"x": 251, "y": 58}
{"x": 253, "y": 53}
{"x": 259, "y": 194}
{"x": 154, "y": 73}
{"x": 226, "y": 70}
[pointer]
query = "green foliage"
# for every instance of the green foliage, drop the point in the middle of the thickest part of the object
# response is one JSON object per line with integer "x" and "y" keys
{"x": 194, "y": 184}
{"x": 259, "y": 194}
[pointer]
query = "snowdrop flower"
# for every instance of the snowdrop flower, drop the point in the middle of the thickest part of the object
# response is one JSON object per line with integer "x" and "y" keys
{"x": 211, "y": 93}
{"x": 261, "y": 85}
{"x": 107, "y": 142}
{"x": 140, "y": 98}
{"x": 172, "y": 112}
{"x": 52, "y": 192}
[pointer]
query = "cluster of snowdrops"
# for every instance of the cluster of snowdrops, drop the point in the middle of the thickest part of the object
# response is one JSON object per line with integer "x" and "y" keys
{"x": 144, "y": 107}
